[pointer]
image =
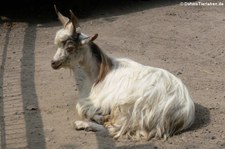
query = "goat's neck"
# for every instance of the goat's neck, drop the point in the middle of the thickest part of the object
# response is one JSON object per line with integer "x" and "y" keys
{"x": 95, "y": 65}
{"x": 89, "y": 65}
{"x": 87, "y": 72}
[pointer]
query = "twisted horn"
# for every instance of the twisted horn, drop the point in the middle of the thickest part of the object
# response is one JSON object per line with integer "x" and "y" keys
{"x": 64, "y": 20}
{"x": 75, "y": 23}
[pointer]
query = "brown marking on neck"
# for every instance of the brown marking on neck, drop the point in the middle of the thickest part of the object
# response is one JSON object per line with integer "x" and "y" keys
{"x": 104, "y": 62}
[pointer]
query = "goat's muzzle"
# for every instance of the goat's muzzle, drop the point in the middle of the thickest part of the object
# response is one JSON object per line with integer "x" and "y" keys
{"x": 56, "y": 64}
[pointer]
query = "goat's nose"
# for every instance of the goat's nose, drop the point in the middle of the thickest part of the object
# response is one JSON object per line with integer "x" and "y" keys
{"x": 53, "y": 63}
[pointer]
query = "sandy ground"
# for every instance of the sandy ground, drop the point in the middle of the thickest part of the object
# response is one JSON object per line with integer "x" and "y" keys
{"x": 37, "y": 103}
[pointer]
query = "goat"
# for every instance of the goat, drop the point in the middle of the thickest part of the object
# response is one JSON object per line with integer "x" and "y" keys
{"x": 120, "y": 95}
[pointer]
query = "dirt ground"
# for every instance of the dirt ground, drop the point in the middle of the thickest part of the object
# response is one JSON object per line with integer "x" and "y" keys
{"x": 37, "y": 103}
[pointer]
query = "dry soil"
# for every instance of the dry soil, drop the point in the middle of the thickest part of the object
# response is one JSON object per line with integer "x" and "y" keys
{"x": 37, "y": 103}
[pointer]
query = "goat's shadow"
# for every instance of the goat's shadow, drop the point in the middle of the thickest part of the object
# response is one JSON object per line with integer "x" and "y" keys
{"x": 106, "y": 141}
{"x": 202, "y": 117}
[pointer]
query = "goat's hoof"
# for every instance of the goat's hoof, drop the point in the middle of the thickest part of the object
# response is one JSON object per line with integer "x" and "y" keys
{"x": 81, "y": 125}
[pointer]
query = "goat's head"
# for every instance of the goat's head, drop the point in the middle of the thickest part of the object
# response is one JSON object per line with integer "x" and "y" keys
{"x": 70, "y": 42}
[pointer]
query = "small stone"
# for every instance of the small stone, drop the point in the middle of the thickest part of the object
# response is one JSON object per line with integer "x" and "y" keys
{"x": 213, "y": 137}
{"x": 212, "y": 108}
{"x": 222, "y": 144}
{"x": 52, "y": 129}
{"x": 179, "y": 73}
{"x": 48, "y": 139}
{"x": 31, "y": 132}
{"x": 31, "y": 107}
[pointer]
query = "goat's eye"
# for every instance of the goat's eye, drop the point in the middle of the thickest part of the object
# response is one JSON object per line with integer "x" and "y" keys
{"x": 63, "y": 43}
{"x": 70, "y": 49}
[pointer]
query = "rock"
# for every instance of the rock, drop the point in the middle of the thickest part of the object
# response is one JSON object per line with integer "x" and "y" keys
{"x": 49, "y": 139}
{"x": 213, "y": 137}
{"x": 179, "y": 73}
{"x": 31, "y": 108}
{"x": 52, "y": 129}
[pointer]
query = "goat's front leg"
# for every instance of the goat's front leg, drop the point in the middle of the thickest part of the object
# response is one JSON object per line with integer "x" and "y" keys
{"x": 88, "y": 126}
{"x": 89, "y": 112}
{"x": 91, "y": 126}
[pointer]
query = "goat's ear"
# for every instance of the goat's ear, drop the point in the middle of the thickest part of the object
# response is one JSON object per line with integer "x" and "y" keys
{"x": 94, "y": 37}
{"x": 88, "y": 39}
{"x": 64, "y": 20}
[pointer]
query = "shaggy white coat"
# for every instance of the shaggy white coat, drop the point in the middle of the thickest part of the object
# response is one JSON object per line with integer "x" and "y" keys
{"x": 143, "y": 101}
{"x": 128, "y": 98}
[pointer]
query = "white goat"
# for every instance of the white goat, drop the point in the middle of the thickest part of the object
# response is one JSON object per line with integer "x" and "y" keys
{"x": 126, "y": 97}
